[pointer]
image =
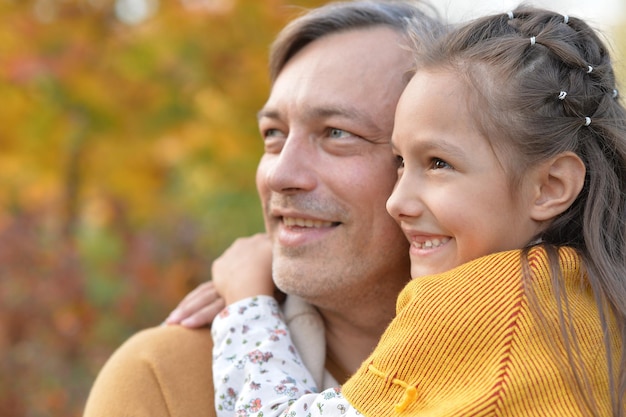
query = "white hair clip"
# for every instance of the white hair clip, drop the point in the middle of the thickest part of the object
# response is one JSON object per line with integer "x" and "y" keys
{"x": 565, "y": 19}
{"x": 562, "y": 95}
{"x": 511, "y": 15}
{"x": 587, "y": 121}
{"x": 589, "y": 69}
{"x": 615, "y": 93}
{"x": 533, "y": 40}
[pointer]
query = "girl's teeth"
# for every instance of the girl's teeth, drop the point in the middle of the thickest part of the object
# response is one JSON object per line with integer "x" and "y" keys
{"x": 433, "y": 243}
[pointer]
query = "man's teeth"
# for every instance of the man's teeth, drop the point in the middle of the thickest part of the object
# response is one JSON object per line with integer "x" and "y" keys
{"x": 292, "y": 221}
{"x": 432, "y": 243}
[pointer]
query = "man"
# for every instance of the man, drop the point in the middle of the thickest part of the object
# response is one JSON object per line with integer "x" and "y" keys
{"x": 337, "y": 73}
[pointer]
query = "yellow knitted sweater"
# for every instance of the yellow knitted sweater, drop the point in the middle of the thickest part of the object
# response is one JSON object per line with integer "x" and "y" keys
{"x": 467, "y": 343}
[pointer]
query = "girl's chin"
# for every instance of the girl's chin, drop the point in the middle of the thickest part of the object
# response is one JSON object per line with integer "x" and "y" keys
{"x": 424, "y": 271}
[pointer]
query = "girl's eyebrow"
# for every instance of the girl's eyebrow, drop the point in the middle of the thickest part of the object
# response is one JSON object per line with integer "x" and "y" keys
{"x": 431, "y": 145}
{"x": 443, "y": 145}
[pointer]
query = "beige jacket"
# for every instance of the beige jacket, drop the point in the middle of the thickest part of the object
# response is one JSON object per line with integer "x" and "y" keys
{"x": 166, "y": 371}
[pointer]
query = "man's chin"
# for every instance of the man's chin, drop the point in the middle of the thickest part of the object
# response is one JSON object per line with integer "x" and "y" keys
{"x": 293, "y": 277}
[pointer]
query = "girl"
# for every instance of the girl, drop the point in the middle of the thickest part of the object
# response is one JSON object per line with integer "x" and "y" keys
{"x": 511, "y": 144}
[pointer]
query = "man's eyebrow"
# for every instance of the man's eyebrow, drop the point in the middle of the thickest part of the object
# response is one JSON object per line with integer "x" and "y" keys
{"x": 326, "y": 112}
{"x": 270, "y": 114}
{"x": 351, "y": 113}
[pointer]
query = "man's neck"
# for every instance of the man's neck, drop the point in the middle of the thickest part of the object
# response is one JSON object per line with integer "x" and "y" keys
{"x": 348, "y": 341}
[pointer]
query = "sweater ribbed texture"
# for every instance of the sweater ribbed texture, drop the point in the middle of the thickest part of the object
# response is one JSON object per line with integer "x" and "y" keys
{"x": 466, "y": 343}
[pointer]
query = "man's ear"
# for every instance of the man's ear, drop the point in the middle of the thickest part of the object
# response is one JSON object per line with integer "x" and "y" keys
{"x": 559, "y": 180}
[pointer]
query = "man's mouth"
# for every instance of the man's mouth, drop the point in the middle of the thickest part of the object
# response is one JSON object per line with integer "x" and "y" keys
{"x": 298, "y": 222}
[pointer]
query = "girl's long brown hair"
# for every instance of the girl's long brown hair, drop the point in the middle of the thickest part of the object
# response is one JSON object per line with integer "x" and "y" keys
{"x": 543, "y": 83}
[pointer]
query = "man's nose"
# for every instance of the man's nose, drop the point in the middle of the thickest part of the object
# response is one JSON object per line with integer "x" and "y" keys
{"x": 294, "y": 168}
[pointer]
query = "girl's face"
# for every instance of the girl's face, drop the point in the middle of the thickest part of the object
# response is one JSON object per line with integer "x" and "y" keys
{"x": 452, "y": 199}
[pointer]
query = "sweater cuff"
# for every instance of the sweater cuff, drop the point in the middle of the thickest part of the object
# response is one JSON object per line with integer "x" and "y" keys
{"x": 235, "y": 314}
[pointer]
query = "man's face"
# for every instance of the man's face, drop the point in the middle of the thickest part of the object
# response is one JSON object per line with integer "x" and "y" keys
{"x": 328, "y": 167}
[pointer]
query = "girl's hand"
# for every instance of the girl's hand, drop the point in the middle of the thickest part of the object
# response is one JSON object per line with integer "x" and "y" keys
{"x": 198, "y": 308}
{"x": 245, "y": 269}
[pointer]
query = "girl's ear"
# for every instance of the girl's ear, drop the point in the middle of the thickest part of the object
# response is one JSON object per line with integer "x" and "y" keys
{"x": 558, "y": 183}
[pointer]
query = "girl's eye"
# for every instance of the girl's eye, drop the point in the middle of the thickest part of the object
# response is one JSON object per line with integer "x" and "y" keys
{"x": 399, "y": 161}
{"x": 437, "y": 163}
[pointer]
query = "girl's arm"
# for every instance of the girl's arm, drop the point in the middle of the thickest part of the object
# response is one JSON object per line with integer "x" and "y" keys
{"x": 198, "y": 308}
{"x": 257, "y": 371}
{"x": 245, "y": 266}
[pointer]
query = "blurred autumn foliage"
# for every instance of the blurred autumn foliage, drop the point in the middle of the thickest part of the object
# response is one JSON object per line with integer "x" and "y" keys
{"x": 127, "y": 160}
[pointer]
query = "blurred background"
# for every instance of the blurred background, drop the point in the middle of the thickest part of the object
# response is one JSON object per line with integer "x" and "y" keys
{"x": 128, "y": 146}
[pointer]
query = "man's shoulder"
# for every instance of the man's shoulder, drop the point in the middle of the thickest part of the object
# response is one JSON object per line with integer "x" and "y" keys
{"x": 168, "y": 341}
{"x": 158, "y": 372}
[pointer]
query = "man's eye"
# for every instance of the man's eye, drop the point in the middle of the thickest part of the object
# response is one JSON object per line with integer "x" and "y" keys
{"x": 270, "y": 133}
{"x": 338, "y": 133}
{"x": 273, "y": 140}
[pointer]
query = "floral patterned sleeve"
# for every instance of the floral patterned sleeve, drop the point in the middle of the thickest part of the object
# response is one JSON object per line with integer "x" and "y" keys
{"x": 257, "y": 370}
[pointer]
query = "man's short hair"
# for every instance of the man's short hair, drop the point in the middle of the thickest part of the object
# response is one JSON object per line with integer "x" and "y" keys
{"x": 414, "y": 18}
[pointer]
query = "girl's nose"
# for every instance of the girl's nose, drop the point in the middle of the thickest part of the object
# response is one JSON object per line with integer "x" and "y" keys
{"x": 405, "y": 202}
